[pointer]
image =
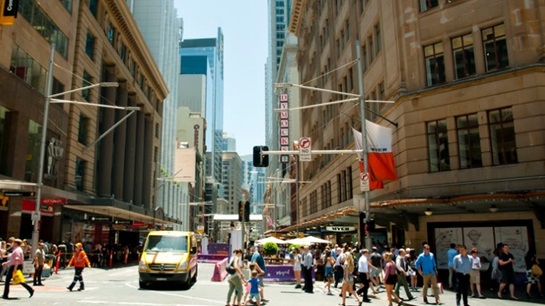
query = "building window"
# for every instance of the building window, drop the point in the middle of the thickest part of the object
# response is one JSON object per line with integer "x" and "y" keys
{"x": 90, "y": 45}
{"x": 339, "y": 188}
{"x": 80, "y": 173}
{"x": 469, "y": 141}
{"x": 26, "y": 68}
{"x": 33, "y": 151}
{"x": 86, "y": 93}
{"x": 428, "y": 4}
{"x": 364, "y": 57}
{"x": 82, "y": 129}
{"x": 378, "y": 38}
{"x": 348, "y": 179}
{"x": 123, "y": 52}
{"x": 93, "y": 4}
{"x": 439, "y": 157}
{"x": 111, "y": 35}
{"x": 502, "y": 136}
{"x": 371, "y": 45}
{"x": 464, "y": 56}
{"x": 67, "y": 4}
{"x": 435, "y": 64}
{"x": 44, "y": 25}
{"x": 5, "y": 116}
{"x": 495, "y": 48}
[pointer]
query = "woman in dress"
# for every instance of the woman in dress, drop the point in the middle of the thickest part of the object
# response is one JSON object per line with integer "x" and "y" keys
{"x": 390, "y": 278}
{"x": 236, "y": 279}
{"x": 297, "y": 267}
{"x": 533, "y": 279}
{"x": 329, "y": 262}
{"x": 348, "y": 280}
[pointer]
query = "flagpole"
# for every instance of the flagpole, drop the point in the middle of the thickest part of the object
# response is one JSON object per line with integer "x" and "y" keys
{"x": 366, "y": 216}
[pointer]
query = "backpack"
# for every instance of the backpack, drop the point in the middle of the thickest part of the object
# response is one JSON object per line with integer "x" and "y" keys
{"x": 231, "y": 267}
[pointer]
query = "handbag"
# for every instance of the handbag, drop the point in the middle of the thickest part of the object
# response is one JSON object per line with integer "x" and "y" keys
{"x": 536, "y": 270}
{"x": 18, "y": 277}
{"x": 231, "y": 267}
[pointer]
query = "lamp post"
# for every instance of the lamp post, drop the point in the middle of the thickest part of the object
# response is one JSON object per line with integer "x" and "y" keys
{"x": 41, "y": 158}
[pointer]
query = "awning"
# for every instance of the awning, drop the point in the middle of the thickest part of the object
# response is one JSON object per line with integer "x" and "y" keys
{"x": 121, "y": 210}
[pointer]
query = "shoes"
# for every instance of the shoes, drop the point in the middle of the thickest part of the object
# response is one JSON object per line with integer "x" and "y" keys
{"x": 481, "y": 297}
{"x": 5, "y": 297}
{"x": 426, "y": 301}
{"x": 81, "y": 289}
{"x": 265, "y": 300}
{"x": 411, "y": 298}
{"x": 367, "y": 300}
{"x": 69, "y": 288}
{"x": 298, "y": 286}
{"x": 31, "y": 293}
{"x": 330, "y": 293}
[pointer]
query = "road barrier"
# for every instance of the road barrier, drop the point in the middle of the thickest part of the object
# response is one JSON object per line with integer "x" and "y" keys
{"x": 219, "y": 271}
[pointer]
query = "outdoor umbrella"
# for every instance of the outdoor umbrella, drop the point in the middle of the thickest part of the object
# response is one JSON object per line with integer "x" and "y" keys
{"x": 271, "y": 239}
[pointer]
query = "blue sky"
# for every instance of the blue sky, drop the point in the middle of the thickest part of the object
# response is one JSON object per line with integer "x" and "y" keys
{"x": 244, "y": 26}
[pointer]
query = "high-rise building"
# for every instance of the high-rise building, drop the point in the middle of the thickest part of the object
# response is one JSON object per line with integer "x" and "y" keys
{"x": 466, "y": 117}
{"x": 232, "y": 181}
{"x": 92, "y": 174}
{"x": 229, "y": 142}
{"x": 161, "y": 29}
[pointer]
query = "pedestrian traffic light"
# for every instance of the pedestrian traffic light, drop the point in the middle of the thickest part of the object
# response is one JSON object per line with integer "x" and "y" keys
{"x": 371, "y": 224}
{"x": 244, "y": 211}
{"x": 260, "y": 159}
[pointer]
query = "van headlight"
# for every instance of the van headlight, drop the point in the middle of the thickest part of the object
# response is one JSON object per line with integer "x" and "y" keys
{"x": 142, "y": 265}
{"x": 183, "y": 266}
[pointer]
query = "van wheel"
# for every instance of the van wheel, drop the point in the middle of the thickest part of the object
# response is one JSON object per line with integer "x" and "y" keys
{"x": 143, "y": 285}
{"x": 194, "y": 278}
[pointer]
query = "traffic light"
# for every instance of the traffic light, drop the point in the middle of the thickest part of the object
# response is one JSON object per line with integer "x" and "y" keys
{"x": 244, "y": 211}
{"x": 260, "y": 159}
{"x": 371, "y": 225}
{"x": 247, "y": 211}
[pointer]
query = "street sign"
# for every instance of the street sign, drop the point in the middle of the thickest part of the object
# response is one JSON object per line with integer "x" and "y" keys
{"x": 101, "y": 219}
{"x": 122, "y": 222}
{"x": 305, "y": 152}
{"x": 200, "y": 229}
{"x": 18, "y": 193}
{"x": 35, "y": 216}
{"x": 364, "y": 182}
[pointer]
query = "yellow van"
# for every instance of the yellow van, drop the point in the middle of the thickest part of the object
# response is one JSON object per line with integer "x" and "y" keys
{"x": 168, "y": 257}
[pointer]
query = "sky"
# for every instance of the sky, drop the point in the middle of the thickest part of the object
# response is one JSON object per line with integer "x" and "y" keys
{"x": 244, "y": 26}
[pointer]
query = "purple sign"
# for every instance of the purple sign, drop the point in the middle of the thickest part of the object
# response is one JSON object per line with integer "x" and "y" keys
{"x": 218, "y": 248}
{"x": 278, "y": 273}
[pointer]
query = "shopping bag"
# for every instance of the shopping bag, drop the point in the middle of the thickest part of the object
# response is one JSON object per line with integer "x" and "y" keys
{"x": 18, "y": 277}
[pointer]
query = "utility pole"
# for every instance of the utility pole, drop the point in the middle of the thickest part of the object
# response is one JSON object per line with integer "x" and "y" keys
{"x": 367, "y": 216}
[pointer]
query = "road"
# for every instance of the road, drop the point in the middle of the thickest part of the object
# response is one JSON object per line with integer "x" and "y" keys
{"x": 120, "y": 287}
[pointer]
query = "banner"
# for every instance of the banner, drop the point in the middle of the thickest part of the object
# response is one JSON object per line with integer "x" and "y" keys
{"x": 8, "y": 11}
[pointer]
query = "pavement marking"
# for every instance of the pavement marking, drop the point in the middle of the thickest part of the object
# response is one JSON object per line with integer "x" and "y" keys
{"x": 179, "y": 295}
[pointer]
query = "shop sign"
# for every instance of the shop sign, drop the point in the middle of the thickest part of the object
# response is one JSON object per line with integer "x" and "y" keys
{"x": 29, "y": 206}
{"x": 340, "y": 229}
{"x": 101, "y": 219}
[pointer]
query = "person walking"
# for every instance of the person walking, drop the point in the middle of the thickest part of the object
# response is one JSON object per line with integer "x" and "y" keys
{"x": 376, "y": 270}
{"x": 79, "y": 261}
{"x": 475, "y": 274}
{"x": 307, "y": 270}
{"x": 39, "y": 258}
{"x": 337, "y": 267}
{"x": 506, "y": 261}
{"x": 329, "y": 262}
{"x": 258, "y": 259}
{"x": 402, "y": 269}
{"x": 236, "y": 279}
{"x": 297, "y": 267}
{"x": 390, "y": 278}
{"x": 15, "y": 263}
{"x": 3, "y": 259}
{"x": 348, "y": 279}
{"x": 450, "y": 255}
{"x": 533, "y": 274}
{"x": 461, "y": 264}
{"x": 363, "y": 275}
{"x": 427, "y": 268}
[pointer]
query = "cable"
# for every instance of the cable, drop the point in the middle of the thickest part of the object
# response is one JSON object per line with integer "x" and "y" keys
{"x": 327, "y": 73}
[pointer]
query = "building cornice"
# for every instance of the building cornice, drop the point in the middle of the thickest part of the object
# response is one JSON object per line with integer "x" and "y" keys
{"x": 296, "y": 15}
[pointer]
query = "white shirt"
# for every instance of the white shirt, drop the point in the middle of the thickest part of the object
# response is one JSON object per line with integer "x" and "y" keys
{"x": 340, "y": 257}
{"x": 476, "y": 263}
{"x": 363, "y": 264}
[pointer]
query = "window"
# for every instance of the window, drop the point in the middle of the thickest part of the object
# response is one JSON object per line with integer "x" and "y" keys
{"x": 93, "y": 7}
{"x": 5, "y": 119}
{"x": 90, "y": 45}
{"x": 428, "y": 4}
{"x": 371, "y": 49}
{"x": 502, "y": 136}
{"x": 347, "y": 29}
{"x": 464, "y": 56}
{"x": 80, "y": 174}
{"x": 82, "y": 129}
{"x": 111, "y": 34}
{"x": 67, "y": 4}
{"x": 364, "y": 57}
{"x": 26, "y": 68}
{"x": 123, "y": 52}
{"x": 435, "y": 64}
{"x": 439, "y": 157}
{"x": 378, "y": 38}
{"x": 86, "y": 93}
{"x": 348, "y": 180}
{"x": 469, "y": 141}
{"x": 339, "y": 188}
{"x": 33, "y": 151}
{"x": 495, "y": 48}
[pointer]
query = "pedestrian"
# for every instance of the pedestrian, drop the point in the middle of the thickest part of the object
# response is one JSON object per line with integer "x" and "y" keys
{"x": 236, "y": 279}
{"x": 450, "y": 255}
{"x": 254, "y": 289}
{"x": 533, "y": 273}
{"x": 348, "y": 279}
{"x": 390, "y": 278}
{"x": 15, "y": 263}
{"x": 307, "y": 270}
{"x": 475, "y": 274}
{"x": 411, "y": 259}
{"x": 297, "y": 267}
{"x": 506, "y": 261}
{"x": 461, "y": 264}
{"x": 427, "y": 268}
{"x": 257, "y": 258}
{"x": 3, "y": 259}
{"x": 337, "y": 267}
{"x": 79, "y": 261}
{"x": 38, "y": 261}
{"x": 495, "y": 274}
{"x": 329, "y": 262}
{"x": 402, "y": 270}
{"x": 363, "y": 275}
{"x": 376, "y": 270}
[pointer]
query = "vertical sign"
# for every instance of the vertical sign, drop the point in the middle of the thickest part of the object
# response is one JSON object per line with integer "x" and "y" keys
{"x": 8, "y": 11}
{"x": 284, "y": 126}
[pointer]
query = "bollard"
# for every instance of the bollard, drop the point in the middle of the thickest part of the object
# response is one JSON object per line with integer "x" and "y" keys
{"x": 57, "y": 263}
{"x": 111, "y": 257}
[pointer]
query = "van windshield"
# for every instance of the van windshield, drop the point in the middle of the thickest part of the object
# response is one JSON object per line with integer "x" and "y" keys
{"x": 166, "y": 244}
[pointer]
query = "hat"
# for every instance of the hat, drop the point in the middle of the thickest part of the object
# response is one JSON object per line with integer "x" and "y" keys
{"x": 79, "y": 245}
{"x": 19, "y": 241}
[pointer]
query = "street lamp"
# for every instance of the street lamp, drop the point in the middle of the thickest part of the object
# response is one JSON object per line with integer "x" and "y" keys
{"x": 48, "y": 99}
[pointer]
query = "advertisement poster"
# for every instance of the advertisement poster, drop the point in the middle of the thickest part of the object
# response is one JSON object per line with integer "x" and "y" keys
{"x": 517, "y": 239}
{"x": 481, "y": 238}
{"x": 443, "y": 238}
